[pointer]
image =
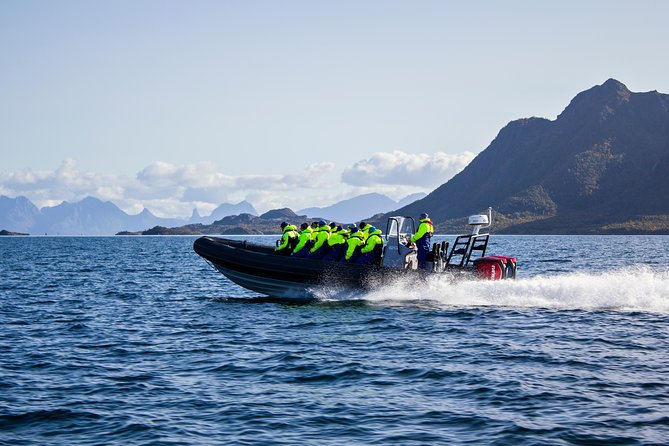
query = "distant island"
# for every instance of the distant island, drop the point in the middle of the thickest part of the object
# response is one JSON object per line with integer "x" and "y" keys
{"x": 243, "y": 224}
{"x": 5, "y": 232}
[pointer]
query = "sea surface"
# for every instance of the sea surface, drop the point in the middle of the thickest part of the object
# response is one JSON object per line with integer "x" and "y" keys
{"x": 138, "y": 341}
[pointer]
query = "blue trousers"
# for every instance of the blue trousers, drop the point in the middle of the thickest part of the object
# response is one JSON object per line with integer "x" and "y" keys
{"x": 365, "y": 259}
{"x": 423, "y": 246}
{"x": 302, "y": 252}
{"x": 336, "y": 252}
{"x": 319, "y": 254}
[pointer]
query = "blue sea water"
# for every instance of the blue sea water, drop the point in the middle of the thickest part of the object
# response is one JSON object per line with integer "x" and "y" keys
{"x": 113, "y": 340}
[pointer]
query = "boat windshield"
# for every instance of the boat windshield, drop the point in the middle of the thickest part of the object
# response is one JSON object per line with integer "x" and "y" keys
{"x": 398, "y": 226}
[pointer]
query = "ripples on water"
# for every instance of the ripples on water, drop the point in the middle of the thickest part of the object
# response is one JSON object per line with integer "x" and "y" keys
{"x": 138, "y": 341}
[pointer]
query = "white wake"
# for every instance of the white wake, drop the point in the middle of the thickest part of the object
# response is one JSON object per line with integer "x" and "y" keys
{"x": 628, "y": 289}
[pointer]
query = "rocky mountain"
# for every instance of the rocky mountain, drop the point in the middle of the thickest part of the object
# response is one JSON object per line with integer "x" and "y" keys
{"x": 17, "y": 214}
{"x": 279, "y": 214}
{"x": 89, "y": 216}
{"x": 223, "y": 210}
{"x": 411, "y": 198}
{"x": 267, "y": 223}
{"x": 92, "y": 216}
{"x": 601, "y": 167}
{"x": 357, "y": 208}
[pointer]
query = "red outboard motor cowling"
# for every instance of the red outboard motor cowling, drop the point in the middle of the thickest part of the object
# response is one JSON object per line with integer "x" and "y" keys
{"x": 496, "y": 267}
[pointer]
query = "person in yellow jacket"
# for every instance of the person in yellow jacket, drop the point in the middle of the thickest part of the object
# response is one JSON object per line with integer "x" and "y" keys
{"x": 320, "y": 247}
{"x": 373, "y": 249}
{"x": 364, "y": 228}
{"x": 288, "y": 239}
{"x": 304, "y": 242}
{"x": 337, "y": 244}
{"x": 354, "y": 242}
{"x": 423, "y": 238}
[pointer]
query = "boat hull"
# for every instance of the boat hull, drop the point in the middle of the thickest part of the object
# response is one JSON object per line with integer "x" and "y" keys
{"x": 258, "y": 268}
{"x": 267, "y": 286}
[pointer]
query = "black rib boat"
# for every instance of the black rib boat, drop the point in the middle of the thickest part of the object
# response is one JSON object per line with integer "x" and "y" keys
{"x": 259, "y": 268}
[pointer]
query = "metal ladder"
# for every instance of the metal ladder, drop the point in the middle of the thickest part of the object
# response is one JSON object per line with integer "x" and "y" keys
{"x": 465, "y": 245}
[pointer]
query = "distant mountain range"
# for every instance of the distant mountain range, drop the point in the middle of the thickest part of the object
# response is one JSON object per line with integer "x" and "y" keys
{"x": 92, "y": 216}
{"x": 601, "y": 167}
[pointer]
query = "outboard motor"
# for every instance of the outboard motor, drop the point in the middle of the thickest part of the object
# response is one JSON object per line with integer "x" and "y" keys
{"x": 496, "y": 267}
{"x": 478, "y": 222}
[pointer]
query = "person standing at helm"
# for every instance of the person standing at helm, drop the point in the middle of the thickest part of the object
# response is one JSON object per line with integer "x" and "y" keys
{"x": 288, "y": 239}
{"x": 423, "y": 238}
{"x": 320, "y": 247}
{"x": 304, "y": 242}
{"x": 373, "y": 249}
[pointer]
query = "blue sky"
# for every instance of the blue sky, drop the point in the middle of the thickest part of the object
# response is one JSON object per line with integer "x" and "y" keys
{"x": 175, "y": 105}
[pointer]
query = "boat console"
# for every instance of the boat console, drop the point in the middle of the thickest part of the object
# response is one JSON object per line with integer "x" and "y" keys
{"x": 467, "y": 252}
{"x": 397, "y": 252}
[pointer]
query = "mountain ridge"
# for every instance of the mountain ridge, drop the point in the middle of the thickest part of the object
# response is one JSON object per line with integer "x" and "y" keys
{"x": 90, "y": 216}
{"x": 604, "y": 159}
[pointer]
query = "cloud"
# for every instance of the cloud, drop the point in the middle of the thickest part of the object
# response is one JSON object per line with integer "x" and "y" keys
{"x": 200, "y": 175}
{"x": 400, "y": 168}
{"x": 203, "y": 181}
{"x": 66, "y": 183}
{"x": 167, "y": 189}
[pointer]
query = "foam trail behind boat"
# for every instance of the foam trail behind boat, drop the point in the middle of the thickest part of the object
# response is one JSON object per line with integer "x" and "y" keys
{"x": 628, "y": 289}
